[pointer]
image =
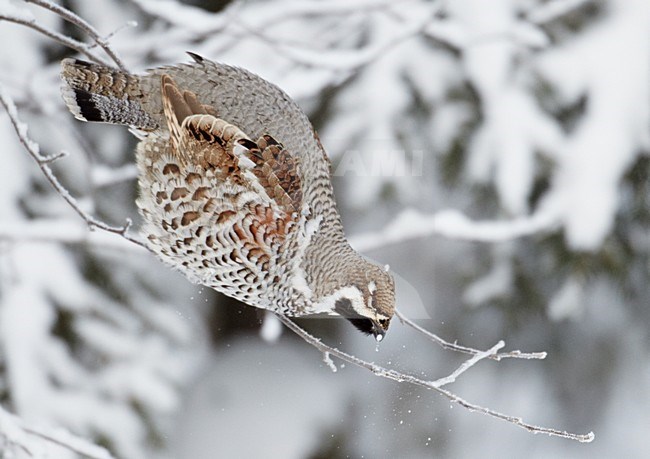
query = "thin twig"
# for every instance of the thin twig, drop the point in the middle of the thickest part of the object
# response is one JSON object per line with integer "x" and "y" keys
{"x": 126, "y": 25}
{"x": 55, "y": 157}
{"x": 467, "y": 350}
{"x": 466, "y": 365}
{"x": 83, "y": 25}
{"x": 56, "y": 36}
{"x": 430, "y": 385}
{"x": 43, "y": 163}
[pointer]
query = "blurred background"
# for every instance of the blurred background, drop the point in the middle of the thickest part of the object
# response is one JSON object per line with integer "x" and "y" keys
{"x": 495, "y": 154}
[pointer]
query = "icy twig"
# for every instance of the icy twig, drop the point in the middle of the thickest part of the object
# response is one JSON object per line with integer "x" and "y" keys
{"x": 20, "y": 435}
{"x": 126, "y": 25}
{"x": 466, "y": 365}
{"x": 71, "y": 43}
{"x": 43, "y": 163}
{"x": 327, "y": 359}
{"x": 83, "y": 25}
{"x": 467, "y": 350}
{"x": 52, "y": 158}
{"x": 432, "y": 385}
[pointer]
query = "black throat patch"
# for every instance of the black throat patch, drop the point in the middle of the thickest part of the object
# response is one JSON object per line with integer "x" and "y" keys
{"x": 343, "y": 307}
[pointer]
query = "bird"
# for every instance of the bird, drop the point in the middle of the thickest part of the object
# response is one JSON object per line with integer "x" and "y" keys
{"x": 235, "y": 188}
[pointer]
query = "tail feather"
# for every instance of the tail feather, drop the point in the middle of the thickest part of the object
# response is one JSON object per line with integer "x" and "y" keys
{"x": 103, "y": 94}
{"x": 81, "y": 104}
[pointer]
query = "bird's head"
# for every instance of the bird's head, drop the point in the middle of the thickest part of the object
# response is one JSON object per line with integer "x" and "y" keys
{"x": 368, "y": 301}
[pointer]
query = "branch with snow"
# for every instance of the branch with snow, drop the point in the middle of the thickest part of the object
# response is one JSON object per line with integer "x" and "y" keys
{"x": 72, "y": 18}
{"x": 16, "y": 434}
{"x": 467, "y": 350}
{"x": 24, "y": 18}
{"x": 411, "y": 224}
{"x": 437, "y": 385}
{"x": 208, "y": 27}
{"x": 43, "y": 163}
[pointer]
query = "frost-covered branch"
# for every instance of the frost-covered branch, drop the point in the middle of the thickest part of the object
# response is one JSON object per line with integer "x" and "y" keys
{"x": 43, "y": 163}
{"x": 17, "y": 434}
{"x": 452, "y": 224}
{"x": 24, "y": 18}
{"x": 346, "y": 60}
{"x": 72, "y": 18}
{"x": 245, "y": 26}
{"x": 467, "y": 350}
{"x": 437, "y": 385}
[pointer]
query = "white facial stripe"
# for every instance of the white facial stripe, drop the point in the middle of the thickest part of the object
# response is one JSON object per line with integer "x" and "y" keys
{"x": 351, "y": 293}
{"x": 362, "y": 308}
{"x": 372, "y": 287}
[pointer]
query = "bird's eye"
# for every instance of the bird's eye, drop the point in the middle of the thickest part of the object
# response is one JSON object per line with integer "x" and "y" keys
{"x": 384, "y": 323}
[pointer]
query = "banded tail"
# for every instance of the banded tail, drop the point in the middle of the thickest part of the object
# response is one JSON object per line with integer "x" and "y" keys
{"x": 103, "y": 94}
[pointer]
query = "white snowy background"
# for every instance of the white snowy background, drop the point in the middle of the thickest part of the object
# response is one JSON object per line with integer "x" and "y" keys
{"x": 494, "y": 153}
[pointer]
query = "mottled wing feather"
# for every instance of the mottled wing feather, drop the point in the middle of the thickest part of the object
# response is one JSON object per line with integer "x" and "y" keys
{"x": 175, "y": 109}
{"x": 221, "y": 211}
{"x": 221, "y": 234}
{"x": 215, "y": 142}
{"x": 277, "y": 171}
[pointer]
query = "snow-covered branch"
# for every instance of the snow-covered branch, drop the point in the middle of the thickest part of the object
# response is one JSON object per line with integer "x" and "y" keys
{"x": 74, "y": 19}
{"x": 36, "y": 441}
{"x": 452, "y": 224}
{"x": 23, "y": 17}
{"x": 43, "y": 163}
{"x": 468, "y": 350}
{"x": 237, "y": 25}
{"x": 435, "y": 385}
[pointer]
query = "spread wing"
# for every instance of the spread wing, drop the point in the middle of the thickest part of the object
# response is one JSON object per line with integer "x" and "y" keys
{"x": 218, "y": 205}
